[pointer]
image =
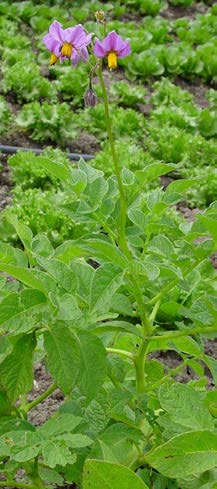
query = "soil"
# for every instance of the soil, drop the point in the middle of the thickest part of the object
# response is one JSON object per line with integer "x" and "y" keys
{"x": 5, "y": 184}
{"x": 175, "y": 12}
{"x": 88, "y": 144}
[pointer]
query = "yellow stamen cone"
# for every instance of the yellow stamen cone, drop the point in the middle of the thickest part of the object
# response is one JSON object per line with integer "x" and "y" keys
{"x": 112, "y": 60}
{"x": 66, "y": 50}
{"x": 53, "y": 59}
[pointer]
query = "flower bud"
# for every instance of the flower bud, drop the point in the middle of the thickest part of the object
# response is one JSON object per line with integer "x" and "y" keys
{"x": 90, "y": 98}
{"x": 100, "y": 16}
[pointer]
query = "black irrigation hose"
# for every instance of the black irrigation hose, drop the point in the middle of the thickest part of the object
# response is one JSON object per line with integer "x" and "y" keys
{"x": 13, "y": 149}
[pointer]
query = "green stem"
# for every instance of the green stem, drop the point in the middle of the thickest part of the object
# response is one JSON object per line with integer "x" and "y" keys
{"x": 38, "y": 482}
{"x": 140, "y": 357}
{"x": 105, "y": 227}
{"x": 115, "y": 381}
{"x": 123, "y": 204}
{"x": 172, "y": 372}
{"x": 40, "y": 398}
{"x": 154, "y": 312}
{"x": 124, "y": 353}
{"x": 147, "y": 327}
{"x": 35, "y": 475}
{"x": 13, "y": 483}
{"x": 172, "y": 284}
{"x": 184, "y": 332}
{"x": 139, "y": 362}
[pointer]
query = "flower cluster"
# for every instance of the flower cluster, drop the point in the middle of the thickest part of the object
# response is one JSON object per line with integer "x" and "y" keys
{"x": 71, "y": 43}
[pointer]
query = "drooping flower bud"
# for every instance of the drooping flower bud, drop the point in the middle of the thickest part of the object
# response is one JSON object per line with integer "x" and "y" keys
{"x": 90, "y": 98}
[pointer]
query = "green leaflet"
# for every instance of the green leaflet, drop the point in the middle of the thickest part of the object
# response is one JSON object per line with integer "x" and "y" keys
{"x": 178, "y": 187}
{"x": 185, "y": 408}
{"x": 97, "y": 191}
{"x": 117, "y": 444}
{"x": 84, "y": 274}
{"x": 187, "y": 454}
{"x": 17, "y": 309}
{"x": 57, "y": 454}
{"x": 78, "y": 181}
{"x": 24, "y": 232}
{"x": 106, "y": 280}
{"x": 113, "y": 326}
{"x": 16, "y": 372}
{"x": 93, "y": 363}
{"x": 153, "y": 171}
{"x": 209, "y": 224}
{"x": 69, "y": 310}
{"x": 69, "y": 251}
{"x": 161, "y": 245}
{"x": 5, "y": 406}
{"x": 108, "y": 475}
{"x": 62, "y": 356}
{"x": 53, "y": 440}
{"x": 58, "y": 424}
{"x": 27, "y": 276}
{"x": 105, "y": 251}
{"x": 138, "y": 218}
{"x": 63, "y": 275}
{"x": 56, "y": 169}
{"x": 12, "y": 256}
{"x": 184, "y": 344}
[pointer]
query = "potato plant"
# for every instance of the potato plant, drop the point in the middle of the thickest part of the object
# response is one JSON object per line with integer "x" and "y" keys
{"x": 97, "y": 308}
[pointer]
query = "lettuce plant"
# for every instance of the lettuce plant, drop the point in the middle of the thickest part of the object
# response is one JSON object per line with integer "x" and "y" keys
{"x": 26, "y": 82}
{"x": 181, "y": 3}
{"x": 147, "y": 6}
{"x": 97, "y": 308}
{"x": 127, "y": 95}
{"x": 5, "y": 115}
{"x": 47, "y": 121}
{"x": 26, "y": 174}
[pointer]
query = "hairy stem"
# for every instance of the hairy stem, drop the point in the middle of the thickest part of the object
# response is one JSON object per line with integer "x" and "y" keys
{"x": 116, "y": 351}
{"x": 40, "y": 398}
{"x": 146, "y": 324}
{"x": 13, "y": 483}
{"x": 172, "y": 372}
{"x": 139, "y": 362}
{"x": 35, "y": 475}
{"x": 185, "y": 332}
{"x": 123, "y": 205}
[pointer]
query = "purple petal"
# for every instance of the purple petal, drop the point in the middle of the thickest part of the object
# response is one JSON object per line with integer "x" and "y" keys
{"x": 51, "y": 44}
{"x": 125, "y": 49}
{"x": 112, "y": 42}
{"x": 56, "y": 31}
{"x": 77, "y": 36}
{"x": 85, "y": 40}
{"x": 71, "y": 33}
{"x": 84, "y": 53}
{"x": 79, "y": 56}
{"x": 99, "y": 50}
{"x": 75, "y": 58}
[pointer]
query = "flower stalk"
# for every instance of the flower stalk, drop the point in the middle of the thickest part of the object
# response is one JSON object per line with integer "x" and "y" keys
{"x": 123, "y": 204}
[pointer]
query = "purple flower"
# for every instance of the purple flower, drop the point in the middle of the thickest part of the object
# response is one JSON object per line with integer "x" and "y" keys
{"x": 112, "y": 47}
{"x": 67, "y": 43}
